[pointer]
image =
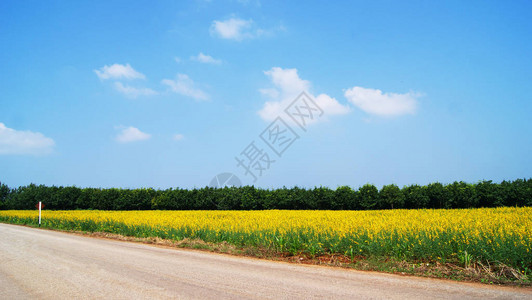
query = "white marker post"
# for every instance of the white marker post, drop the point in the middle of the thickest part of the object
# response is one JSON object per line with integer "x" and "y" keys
{"x": 40, "y": 205}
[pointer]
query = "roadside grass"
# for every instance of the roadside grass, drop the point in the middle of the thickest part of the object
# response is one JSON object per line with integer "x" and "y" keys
{"x": 491, "y": 245}
{"x": 493, "y": 274}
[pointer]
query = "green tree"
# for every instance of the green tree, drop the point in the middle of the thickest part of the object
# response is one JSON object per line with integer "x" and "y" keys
{"x": 323, "y": 196}
{"x": 415, "y": 196}
{"x": 391, "y": 197}
{"x": 368, "y": 195}
{"x": 344, "y": 198}
{"x": 62, "y": 197}
{"x": 528, "y": 192}
{"x": 462, "y": 195}
{"x": 4, "y": 193}
{"x": 437, "y": 195}
{"x": 486, "y": 192}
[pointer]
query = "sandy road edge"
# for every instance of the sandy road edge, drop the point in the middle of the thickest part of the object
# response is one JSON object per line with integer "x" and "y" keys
{"x": 169, "y": 244}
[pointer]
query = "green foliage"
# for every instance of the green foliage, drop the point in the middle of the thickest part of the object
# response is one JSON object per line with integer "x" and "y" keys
{"x": 323, "y": 197}
{"x": 461, "y": 195}
{"x": 453, "y": 236}
{"x": 368, "y": 196}
{"x": 4, "y": 192}
{"x": 27, "y": 196}
{"x": 344, "y": 198}
{"x": 437, "y": 195}
{"x": 391, "y": 197}
{"x": 487, "y": 194}
{"x": 416, "y": 196}
{"x": 434, "y": 195}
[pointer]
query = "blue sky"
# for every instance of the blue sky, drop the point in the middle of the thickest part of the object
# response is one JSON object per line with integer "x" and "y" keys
{"x": 170, "y": 93}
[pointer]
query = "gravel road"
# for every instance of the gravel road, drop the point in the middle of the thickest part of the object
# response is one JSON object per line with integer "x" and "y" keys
{"x": 46, "y": 264}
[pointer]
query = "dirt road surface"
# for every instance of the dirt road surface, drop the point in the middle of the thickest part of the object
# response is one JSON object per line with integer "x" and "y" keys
{"x": 46, "y": 264}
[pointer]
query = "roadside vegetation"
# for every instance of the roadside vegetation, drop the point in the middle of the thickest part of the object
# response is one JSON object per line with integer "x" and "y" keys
{"x": 491, "y": 245}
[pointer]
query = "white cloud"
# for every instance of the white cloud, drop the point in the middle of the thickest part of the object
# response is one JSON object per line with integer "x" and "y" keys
{"x": 288, "y": 81}
{"x": 178, "y": 137}
{"x": 233, "y": 29}
{"x": 183, "y": 85}
{"x": 133, "y": 92}
{"x": 375, "y": 102}
{"x": 288, "y": 85}
{"x": 239, "y": 29}
{"x": 177, "y": 59}
{"x": 118, "y": 71}
{"x": 24, "y": 142}
{"x": 206, "y": 59}
{"x": 247, "y": 2}
{"x": 131, "y": 134}
{"x": 331, "y": 106}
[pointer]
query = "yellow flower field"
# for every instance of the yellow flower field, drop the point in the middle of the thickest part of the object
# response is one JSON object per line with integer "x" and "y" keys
{"x": 487, "y": 234}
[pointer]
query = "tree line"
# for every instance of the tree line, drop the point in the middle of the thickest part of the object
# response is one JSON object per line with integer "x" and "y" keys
{"x": 434, "y": 195}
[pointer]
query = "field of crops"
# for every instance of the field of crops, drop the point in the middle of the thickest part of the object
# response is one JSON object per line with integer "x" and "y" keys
{"x": 500, "y": 235}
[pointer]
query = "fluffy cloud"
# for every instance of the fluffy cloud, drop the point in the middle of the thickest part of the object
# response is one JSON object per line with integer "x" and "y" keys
{"x": 330, "y": 105}
{"x": 178, "y": 137}
{"x": 206, "y": 59}
{"x": 131, "y": 134}
{"x": 287, "y": 86}
{"x": 133, "y": 92}
{"x": 24, "y": 142}
{"x": 247, "y": 2}
{"x": 287, "y": 81}
{"x": 233, "y": 29}
{"x": 118, "y": 71}
{"x": 375, "y": 102}
{"x": 183, "y": 85}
